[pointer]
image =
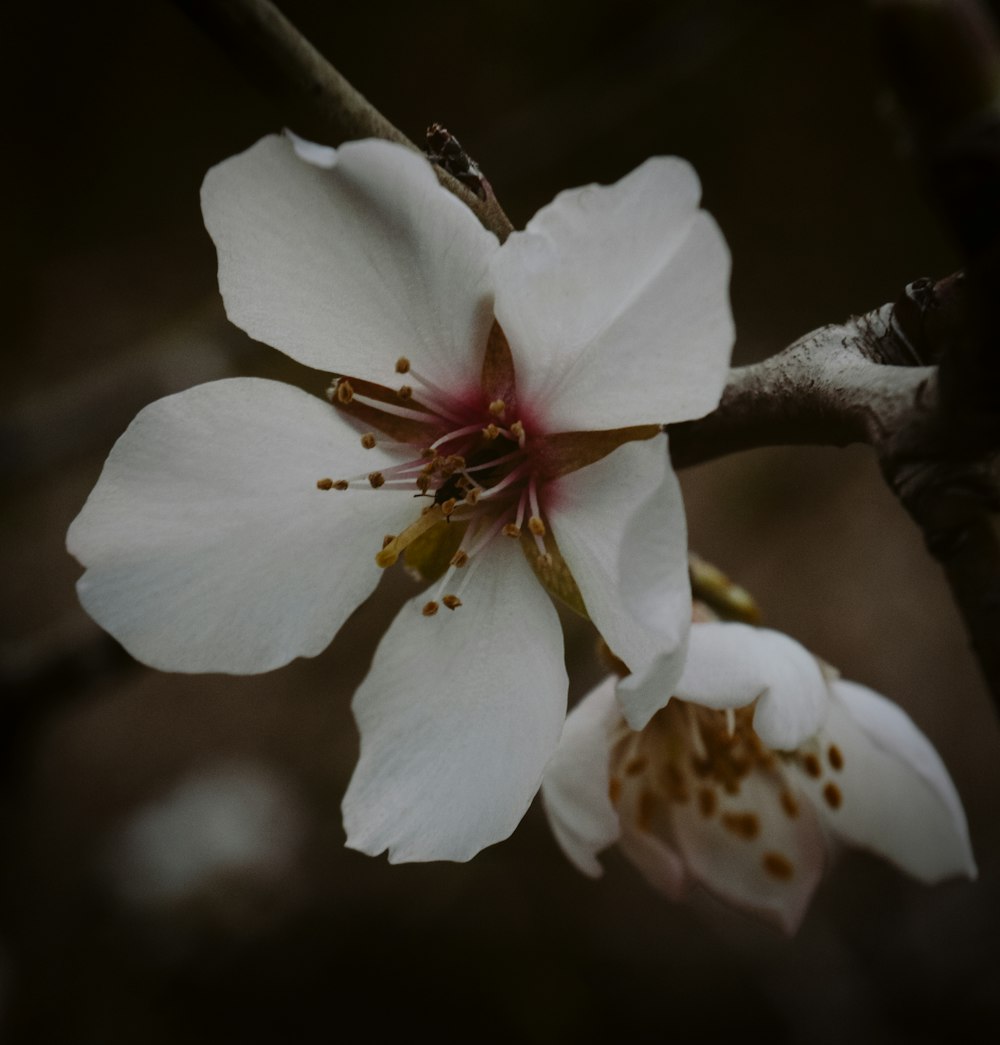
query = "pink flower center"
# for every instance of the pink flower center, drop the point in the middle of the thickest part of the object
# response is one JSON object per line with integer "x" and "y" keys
{"x": 476, "y": 458}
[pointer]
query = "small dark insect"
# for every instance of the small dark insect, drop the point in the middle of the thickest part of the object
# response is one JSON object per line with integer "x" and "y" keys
{"x": 444, "y": 149}
{"x": 454, "y": 487}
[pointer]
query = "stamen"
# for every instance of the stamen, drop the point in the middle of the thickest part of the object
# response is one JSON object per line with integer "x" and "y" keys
{"x": 497, "y": 407}
{"x": 341, "y": 484}
{"x": 430, "y": 608}
{"x": 402, "y": 365}
{"x": 368, "y": 440}
{"x": 490, "y": 432}
{"x": 832, "y": 795}
{"x": 512, "y": 476}
{"x": 514, "y": 455}
{"x": 343, "y": 391}
{"x": 697, "y": 742}
{"x": 512, "y": 530}
{"x": 517, "y": 431}
{"x": 778, "y": 866}
{"x": 405, "y": 392}
{"x": 324, "y": 484}
{"x": 376, "y": 479}
{"x": 535, "y": 524}
{"x": 391, "y": 551}
{"x": 456, "y": 434}
{"x": 452, "y": 602}
{"x": 444, "y": 402}
{"x": 447, "y": 507}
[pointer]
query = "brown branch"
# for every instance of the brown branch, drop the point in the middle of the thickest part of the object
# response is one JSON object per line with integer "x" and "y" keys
{"x": 871, "y": 381}
{"x": 317, "y": 101}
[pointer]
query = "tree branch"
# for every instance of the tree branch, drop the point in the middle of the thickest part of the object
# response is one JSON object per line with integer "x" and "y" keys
{"x": 317, "y": 101}
{"x": 871, "y": 380}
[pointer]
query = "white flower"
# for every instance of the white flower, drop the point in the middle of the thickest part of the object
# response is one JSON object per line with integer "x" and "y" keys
{"x": 519, "y": 388}
{"x": 741, "y": 782}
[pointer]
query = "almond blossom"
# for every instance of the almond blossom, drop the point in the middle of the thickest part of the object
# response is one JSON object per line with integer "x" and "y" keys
{"x": 494, "y": 418}
{"x": 747, "y": 777}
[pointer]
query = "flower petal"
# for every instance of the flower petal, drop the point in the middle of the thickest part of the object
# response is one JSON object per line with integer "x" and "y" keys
{"x": 729, "y": 665}
{"x": 615, "y": 302}
{"x": 882, "y": 786}
{"x": 658, "y": 862}
{"x": 620, "y": 526}
{"x": 575, "y": 788}
{"x": 348, "y": 259}
{"x": 751, "y": 850}
{"x": 458, "y": 717}
{"x": 207, "y": 544}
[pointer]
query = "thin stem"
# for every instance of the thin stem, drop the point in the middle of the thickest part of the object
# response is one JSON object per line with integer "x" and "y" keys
{"x": 317, "y": 101}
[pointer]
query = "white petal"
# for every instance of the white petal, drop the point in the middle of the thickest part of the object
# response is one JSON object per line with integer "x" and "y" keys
{"x": 773, "y": 872}
{"x": 615, "y": 302}
{"x": 620, "y": 526}
{"x": 892, "y": 793}
{"x": 458, "y": 717}
{"x": 658, "y": 862}
{"x": 348, "y": 259}
{"x": 575, "y": 788}
{"x": 208, "y": 546}
{"x": 730, "y": 665}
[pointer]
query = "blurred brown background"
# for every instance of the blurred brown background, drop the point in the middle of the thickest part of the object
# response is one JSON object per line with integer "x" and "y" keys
{"x": 121, "y": 786}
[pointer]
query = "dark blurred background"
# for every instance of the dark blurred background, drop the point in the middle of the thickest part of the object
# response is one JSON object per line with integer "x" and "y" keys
{"x": 172, "y": 858}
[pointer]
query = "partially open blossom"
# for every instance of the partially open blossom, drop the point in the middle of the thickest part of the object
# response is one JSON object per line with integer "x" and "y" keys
{"x": 740, "y": 783}
{"x": 494, "y": 419}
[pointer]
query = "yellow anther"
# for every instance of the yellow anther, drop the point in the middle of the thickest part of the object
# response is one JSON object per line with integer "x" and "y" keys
{"x": 472, "y": 495}
{"x": 430, "y": 608}
{"x": 405, "y": 392}
{"x": 341, "y": 484}
{"x": 452, "y": 602}
{"x": 491, "y": 431}
{"x": 376, "y": 479}
{"x": 460, "y": 558}
{"x": 324, "y": 484}
{"x": 344, "y": 391}
{"x": 512, "y": 530}
{"x": 402, "y": 365}
{"x": 497, "y": 407}
{"x": 447, "y": 507}
{"x": 536, "y": 526}
{"x": 368, "y": 441}
{"x": 423, "y": 483}
{"x": 517, "y": 431}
